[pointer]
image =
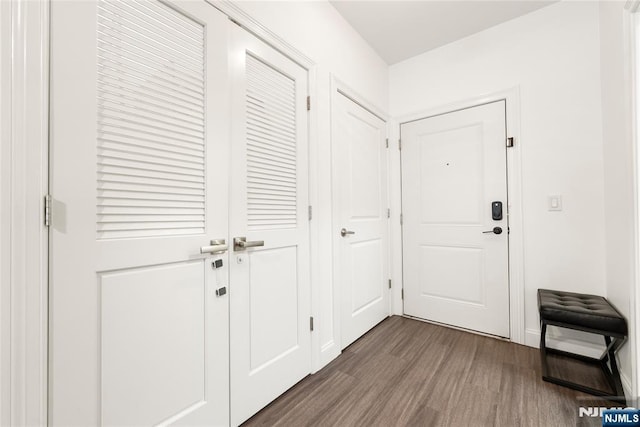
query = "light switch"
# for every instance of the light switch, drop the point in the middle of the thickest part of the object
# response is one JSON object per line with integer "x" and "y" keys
{"x": 555, "y": 203}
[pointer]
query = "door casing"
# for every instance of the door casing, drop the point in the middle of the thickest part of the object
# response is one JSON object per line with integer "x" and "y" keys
{"x": 514, "y": 170}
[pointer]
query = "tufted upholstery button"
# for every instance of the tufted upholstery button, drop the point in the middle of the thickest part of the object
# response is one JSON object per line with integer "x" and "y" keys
{"x": 581, "y": 310}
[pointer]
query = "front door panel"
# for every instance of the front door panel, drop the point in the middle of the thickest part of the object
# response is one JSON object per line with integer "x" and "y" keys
{"x": 455, "y": 268}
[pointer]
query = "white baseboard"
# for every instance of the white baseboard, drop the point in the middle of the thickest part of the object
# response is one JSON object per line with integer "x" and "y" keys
{"x": 628, "y": 389}
{"x": 566, "y": 340}
{"x": 328, "y": 351}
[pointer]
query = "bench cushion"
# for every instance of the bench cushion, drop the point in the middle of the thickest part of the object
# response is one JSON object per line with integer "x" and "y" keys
{"x": 581, "y": 310}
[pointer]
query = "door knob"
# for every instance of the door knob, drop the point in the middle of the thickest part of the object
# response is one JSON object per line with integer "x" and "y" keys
{"x": 344, "y": 232}
{"x": 240, "y": 243}
{"x": 218, "y": 246}
{"x": 496, "y": 230}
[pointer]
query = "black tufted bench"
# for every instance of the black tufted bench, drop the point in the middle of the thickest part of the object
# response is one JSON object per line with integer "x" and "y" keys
{"x": 589, "y": 313}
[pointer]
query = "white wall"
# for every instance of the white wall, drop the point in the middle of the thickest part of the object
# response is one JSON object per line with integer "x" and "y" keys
{"x": 618, "y": 164}
{"x": 318, "y": 31}
{"x": 553, "y": 56}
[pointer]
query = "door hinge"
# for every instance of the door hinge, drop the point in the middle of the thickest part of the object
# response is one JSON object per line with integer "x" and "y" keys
{"x": 310, "y": 212}
{"x": 387, "y": 143}
{"x": 510, "y": 141}
{"x": 388, "y": 212}
{"x": 401, "y": 219}
{"x": 402, "y": 293}
{"x": 308, "y": 103}
{"x": 389, "y": 283}
{"x": 47, "y": 210}
{"x": 400, "y": 144}
{"x": 311, "y": 323}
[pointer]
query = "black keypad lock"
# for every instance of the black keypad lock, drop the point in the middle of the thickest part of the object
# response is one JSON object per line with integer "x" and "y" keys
{"x": 496, "y": 211}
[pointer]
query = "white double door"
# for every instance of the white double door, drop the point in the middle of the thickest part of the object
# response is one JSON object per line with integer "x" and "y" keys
{"x": 360, "y": 226}
{"x": 455, "y": 231}
{"x": 152, "y": 321}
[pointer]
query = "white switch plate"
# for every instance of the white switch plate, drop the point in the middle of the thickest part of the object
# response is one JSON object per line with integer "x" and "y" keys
{"x": 555, "y": 203}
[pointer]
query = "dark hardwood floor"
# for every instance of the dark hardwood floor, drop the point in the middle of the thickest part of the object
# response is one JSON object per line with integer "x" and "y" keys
{"x": 409, "y": 373}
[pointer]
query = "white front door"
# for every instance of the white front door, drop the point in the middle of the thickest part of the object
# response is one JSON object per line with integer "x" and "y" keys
{"x": 454, "y": 176}
{"x": 139, "y": 166}
{"x": 360, "y": 224}
{"x": 270, "y": 277}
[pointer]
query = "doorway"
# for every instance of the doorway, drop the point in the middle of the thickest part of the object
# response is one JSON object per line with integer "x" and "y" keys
{"x": 360, "y": 216}
{"x": 177, "y": 240}
{"x": 455, "y": 219}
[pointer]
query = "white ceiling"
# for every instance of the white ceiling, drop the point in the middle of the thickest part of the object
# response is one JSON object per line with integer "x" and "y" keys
{"x": 398, "y": 30}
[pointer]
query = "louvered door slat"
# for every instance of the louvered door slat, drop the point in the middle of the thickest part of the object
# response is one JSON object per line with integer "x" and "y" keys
{"x": 147, "y": 151}
{"x": 142, "y": 28}
{"x": 151, "y": 125}
{"x": 168, "y": 20}
{"x": 271, "y": 147}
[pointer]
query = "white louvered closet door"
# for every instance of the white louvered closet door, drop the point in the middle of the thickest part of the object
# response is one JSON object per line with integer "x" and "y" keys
{"x": 270, "y": 283}
{"x": 139, "y": 161}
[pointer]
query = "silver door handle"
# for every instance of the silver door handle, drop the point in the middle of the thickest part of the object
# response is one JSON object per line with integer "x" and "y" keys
{"x": 240, "y": 243}
{"x": 344, "y": 232}
{"x": 218, "y": 246}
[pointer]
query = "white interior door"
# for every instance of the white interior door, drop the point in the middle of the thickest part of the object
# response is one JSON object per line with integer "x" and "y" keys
{"x": 139, "y": 155}
{"x": 453, "y": 171}
{"x": 360, "y": 224}
{"x": 270, "y": 294}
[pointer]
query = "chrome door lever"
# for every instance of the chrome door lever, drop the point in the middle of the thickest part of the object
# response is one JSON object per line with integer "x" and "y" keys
{"x": 218, "y": 246}
{"x": 496, "y": 230}
{"x": 344, "y": 232}
{"x": 240, "y": 243}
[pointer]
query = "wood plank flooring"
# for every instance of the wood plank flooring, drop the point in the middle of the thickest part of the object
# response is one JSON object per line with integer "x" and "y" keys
{"x": 409, "y": 373}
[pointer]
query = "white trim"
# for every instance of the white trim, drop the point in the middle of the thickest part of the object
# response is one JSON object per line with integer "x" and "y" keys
{"x": 5, "y": 218}
{"x": 632, "y": 21}
{"x": 24, "y": 177}
{"x": 339, "y": 86}
{"x": 246, "y": 21}
{"x": 514, "y": 174}
{"x": 317, "y": 351}
{"x": 395, "y": 229}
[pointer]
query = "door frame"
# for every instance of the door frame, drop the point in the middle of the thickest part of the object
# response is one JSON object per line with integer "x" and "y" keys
{"x": 514, "y": 192}
{"x": 340, "y": 88}
{"x": 631, "y": 31}
{"x": 24, "y": 171}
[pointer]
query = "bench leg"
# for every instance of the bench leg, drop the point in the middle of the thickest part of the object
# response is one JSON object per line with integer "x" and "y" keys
{"x": 543, "y": 349}
{"x": 612, "y": 374}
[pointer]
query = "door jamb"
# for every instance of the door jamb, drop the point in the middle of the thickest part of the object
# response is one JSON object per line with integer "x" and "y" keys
{"x": 631, "y": 29}
{"x": 514, "y": 191}
{"x": 24, "y": 171}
